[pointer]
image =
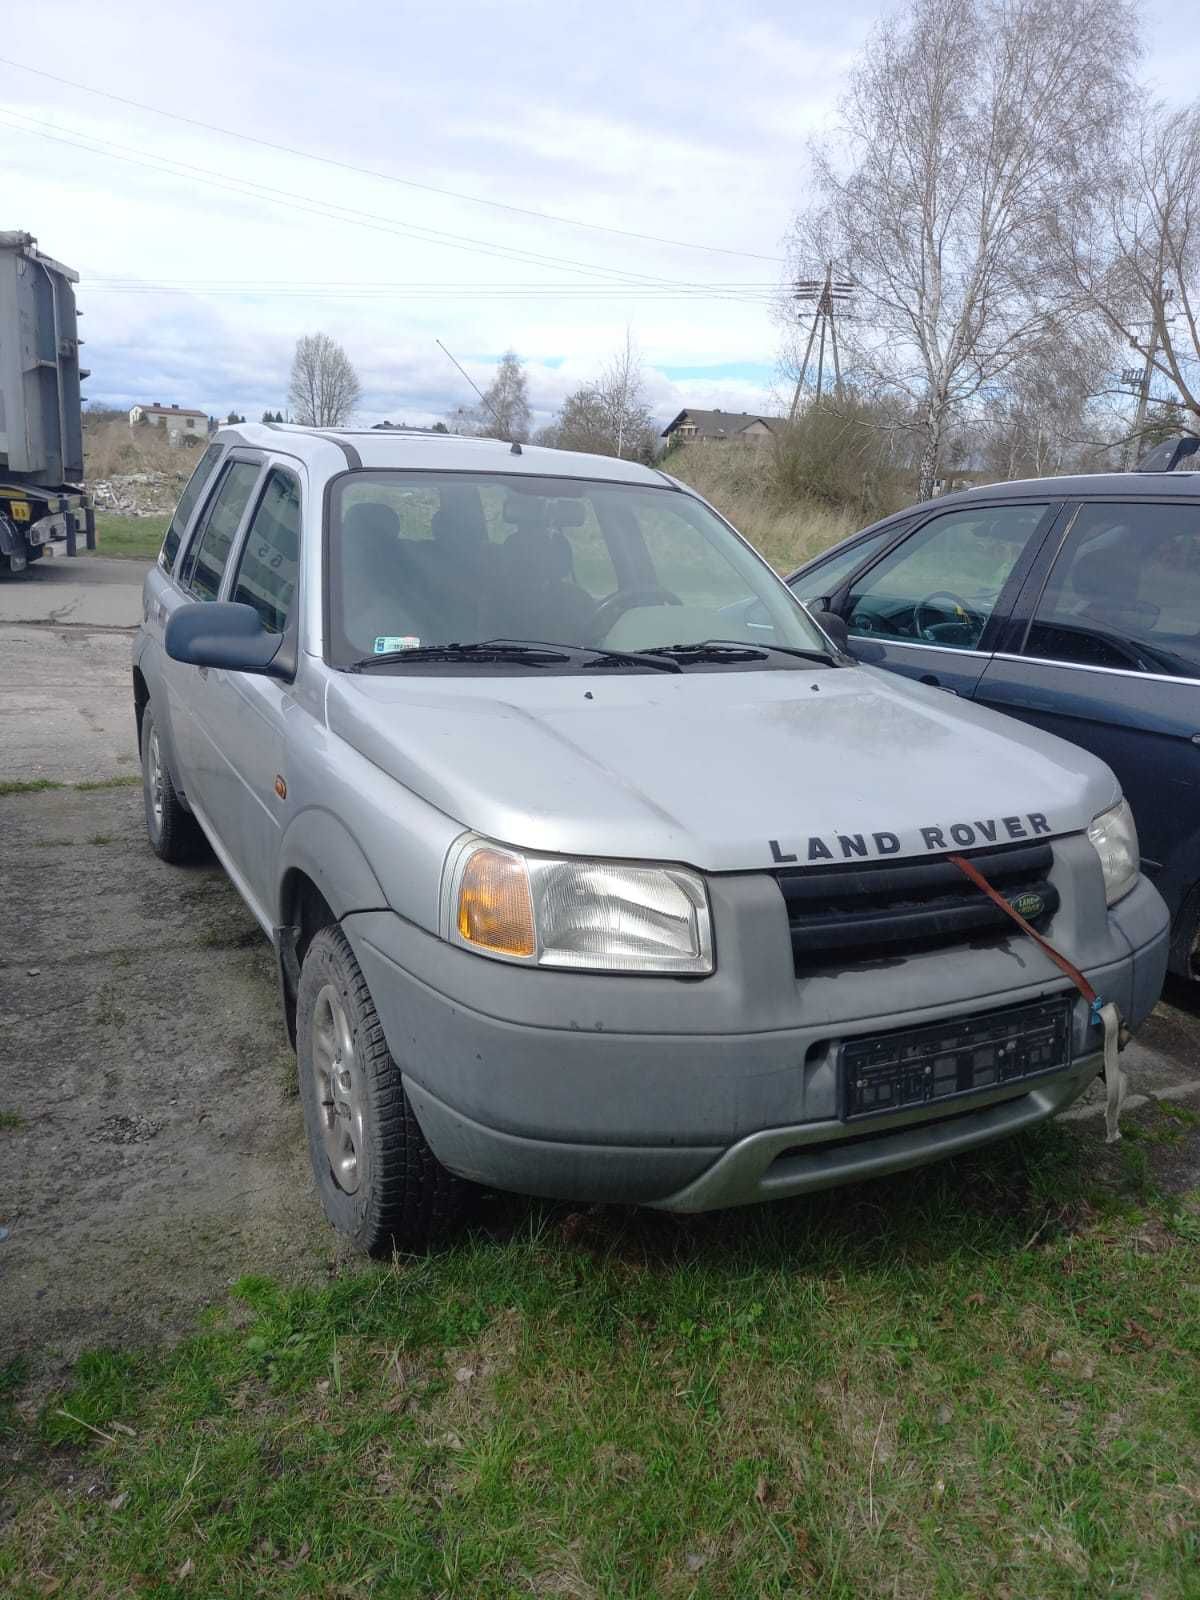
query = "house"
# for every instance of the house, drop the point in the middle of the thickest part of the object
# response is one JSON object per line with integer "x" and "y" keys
{"x": 181, "y": 422}
{"x": 702, "y": 427}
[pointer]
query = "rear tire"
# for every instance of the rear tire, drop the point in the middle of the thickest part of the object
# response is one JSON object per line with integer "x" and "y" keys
{"x": 380, "y": 1183}
{"x": 174, "y": 833}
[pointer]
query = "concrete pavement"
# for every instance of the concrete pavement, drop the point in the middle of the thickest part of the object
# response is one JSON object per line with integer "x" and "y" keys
{"x": 91, "y": 591}
{"x": 65, "y": 631}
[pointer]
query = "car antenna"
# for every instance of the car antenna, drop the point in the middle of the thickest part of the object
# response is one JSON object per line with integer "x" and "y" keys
{"x": 516, "y": 448}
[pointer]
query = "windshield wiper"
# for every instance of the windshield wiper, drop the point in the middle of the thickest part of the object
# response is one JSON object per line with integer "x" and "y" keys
{"x": 733, "y": 650}
{"x": 601, "y": 657}
{"x": 630, "y": 658}
{"x": 488, "y": 650}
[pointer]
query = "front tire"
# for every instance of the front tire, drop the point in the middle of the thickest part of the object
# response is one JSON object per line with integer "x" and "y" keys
{"x": 380, "y": 1183}
{"x": 174, "y": 833}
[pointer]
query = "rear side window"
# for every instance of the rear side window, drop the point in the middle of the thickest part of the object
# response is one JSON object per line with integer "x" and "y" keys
{"x": 204, "y": 563}
{"x": 193, "y": 489}
{"x": 266, "y": 573}
{"x": 1125, "y": 592}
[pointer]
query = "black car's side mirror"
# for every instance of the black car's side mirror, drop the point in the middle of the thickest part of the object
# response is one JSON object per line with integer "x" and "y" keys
{"x": 863, "y": 649}
{"x": 834, "y": 626}
{"x": 222, "y": 633}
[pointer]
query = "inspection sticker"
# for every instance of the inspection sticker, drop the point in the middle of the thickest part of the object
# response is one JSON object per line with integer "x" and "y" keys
{"x": 387, "y": 642}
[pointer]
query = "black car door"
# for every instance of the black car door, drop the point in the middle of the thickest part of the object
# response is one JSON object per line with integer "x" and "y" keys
{"x": 934, "y": 604}
{"x": 1103, "y": 648}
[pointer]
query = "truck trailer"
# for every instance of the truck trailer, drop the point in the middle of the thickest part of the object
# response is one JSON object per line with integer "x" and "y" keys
{"x": 42, "y": 499}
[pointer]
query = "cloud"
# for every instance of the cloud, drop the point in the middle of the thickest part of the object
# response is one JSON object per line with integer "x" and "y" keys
{"x": 687, "y": 122}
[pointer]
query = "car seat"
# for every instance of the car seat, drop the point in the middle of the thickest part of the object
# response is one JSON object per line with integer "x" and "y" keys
{"x": 379, "y": 593}
{"x": 535, "y": 588}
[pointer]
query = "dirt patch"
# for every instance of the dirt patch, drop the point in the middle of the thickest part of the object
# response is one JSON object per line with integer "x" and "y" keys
{"x": 158, "y": 1151}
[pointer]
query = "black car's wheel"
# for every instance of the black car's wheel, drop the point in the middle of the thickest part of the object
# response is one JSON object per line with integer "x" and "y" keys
{"x": 174, "y": 833}
{"x": 380, "y": 1183}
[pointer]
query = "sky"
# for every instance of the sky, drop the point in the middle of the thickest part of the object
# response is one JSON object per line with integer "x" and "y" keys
{"x": 520, "y": 174}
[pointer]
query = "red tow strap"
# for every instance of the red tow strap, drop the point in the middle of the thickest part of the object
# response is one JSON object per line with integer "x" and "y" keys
{"x": 1060, "y": 961}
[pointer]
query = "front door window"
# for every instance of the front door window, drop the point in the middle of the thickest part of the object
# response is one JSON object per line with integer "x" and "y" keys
{"x": 942, "y": 585}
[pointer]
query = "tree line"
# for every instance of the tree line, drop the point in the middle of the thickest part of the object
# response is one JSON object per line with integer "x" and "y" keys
{"x": 1021, "y": 222}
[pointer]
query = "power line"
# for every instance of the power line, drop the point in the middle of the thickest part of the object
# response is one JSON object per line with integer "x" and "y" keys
{"x": 385, "y": 177}
{"x": 250, "y": 188}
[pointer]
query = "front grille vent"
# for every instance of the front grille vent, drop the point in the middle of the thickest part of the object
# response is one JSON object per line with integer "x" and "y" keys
{"x": 886, "y": 909}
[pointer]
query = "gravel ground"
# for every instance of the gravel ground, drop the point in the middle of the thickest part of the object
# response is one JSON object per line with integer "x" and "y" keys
{"x": 158, "y": 1152}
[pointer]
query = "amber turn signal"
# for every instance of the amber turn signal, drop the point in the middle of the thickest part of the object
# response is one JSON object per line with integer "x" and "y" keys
{"x": 495, "y": 909}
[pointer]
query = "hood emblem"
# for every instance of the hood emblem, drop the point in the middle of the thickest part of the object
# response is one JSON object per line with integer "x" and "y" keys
{"x": 1028, "y": 905}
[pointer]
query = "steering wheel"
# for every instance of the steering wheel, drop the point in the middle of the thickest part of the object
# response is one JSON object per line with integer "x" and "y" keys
{"x": 616, "y": 605}
{"x": 955, "y": 600}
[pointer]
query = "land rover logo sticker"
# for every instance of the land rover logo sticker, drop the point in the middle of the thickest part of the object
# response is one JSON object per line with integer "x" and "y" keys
{"x": 818, "y": 849}
{"x": 1028, "y": 905}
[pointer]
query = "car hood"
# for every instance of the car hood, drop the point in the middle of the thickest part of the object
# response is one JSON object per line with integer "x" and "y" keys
{"x": 724, "y": 770}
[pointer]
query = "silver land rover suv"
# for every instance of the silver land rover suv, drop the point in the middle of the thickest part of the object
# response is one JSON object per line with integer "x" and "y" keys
{"x": 593, "y": 867}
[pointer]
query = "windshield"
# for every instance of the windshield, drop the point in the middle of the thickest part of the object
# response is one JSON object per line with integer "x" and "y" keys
{"x": 425, "y": 559}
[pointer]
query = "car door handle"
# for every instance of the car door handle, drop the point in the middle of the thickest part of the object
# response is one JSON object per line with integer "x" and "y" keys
{"x": 934, "y": 683}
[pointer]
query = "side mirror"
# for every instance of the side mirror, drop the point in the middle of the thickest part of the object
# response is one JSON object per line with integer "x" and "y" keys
{"x": 834, "y": 626}
{"x": 222, "y": 633}
{"x": 862, "y": 649}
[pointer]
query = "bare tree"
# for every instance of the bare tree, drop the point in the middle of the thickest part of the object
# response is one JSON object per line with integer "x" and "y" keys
{"x": 1131, "y": 250}
{"x": 621, "y": 394}
{"x": 324, "y": 387}
{"x": 966, "y": 127}
{"x": 609, "y": 416}
{"x": 1047, "y": 411}
{"x": 504, "y": 411}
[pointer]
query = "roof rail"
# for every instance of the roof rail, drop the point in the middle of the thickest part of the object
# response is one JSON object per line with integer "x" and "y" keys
{"x": 1167, "y": 456}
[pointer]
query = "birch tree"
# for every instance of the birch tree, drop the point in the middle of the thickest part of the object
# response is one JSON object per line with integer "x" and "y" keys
{"x": 504, "y": 412}
{"x": 967, "y": 127}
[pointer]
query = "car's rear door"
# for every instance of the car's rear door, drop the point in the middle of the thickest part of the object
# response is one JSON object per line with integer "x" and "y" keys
{"x": 932, "y": 605}
{"x": 1103, "y": 648}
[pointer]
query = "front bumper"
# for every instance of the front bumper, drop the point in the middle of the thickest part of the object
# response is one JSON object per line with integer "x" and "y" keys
{"x": 698, "y": 1094}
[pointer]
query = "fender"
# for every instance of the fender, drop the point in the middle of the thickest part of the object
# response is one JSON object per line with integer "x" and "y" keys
{"x": 319, "y": 844}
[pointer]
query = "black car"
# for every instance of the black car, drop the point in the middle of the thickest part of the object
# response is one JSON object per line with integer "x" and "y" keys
{"x": 1072, "y": 603}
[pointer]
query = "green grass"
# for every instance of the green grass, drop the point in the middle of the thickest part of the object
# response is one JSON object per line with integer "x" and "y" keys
{"x": 126, "y": 780}
{"x": 138, "y": 538}
{"x": 11, "y": 1122}
{"x": 975, "y": 1381}
{"x": 28, "y": 785}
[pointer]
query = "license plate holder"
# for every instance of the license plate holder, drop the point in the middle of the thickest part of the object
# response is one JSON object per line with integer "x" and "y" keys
{"x": 945, "y": 1061}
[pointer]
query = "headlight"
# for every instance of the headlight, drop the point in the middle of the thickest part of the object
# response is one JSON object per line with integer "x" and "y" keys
{"x": 554, "y": 911}
{"x": 1114, "y": 835}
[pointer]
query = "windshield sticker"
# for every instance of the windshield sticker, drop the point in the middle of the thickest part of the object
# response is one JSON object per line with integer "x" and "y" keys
{"x": 385, "y": 643}
{"x": 955, "y": 836}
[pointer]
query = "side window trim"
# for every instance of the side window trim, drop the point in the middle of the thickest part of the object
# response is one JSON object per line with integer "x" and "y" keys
{"x": 188, "y": 545}
{"x": 1029, "y": 597}
{"x": 1010, "y": 593}
{"x": 239, "y": 546}
{"x": 202, "y": 497}
{"x": 288, "y": 648}
{"x": 254, "y": 458}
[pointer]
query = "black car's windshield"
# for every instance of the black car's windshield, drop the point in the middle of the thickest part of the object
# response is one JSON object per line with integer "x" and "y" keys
{"x": 424, "y": 559}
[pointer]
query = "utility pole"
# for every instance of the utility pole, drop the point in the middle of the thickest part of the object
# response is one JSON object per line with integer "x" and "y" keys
{"x": 827, "y": 295}
{"x": 1130, "y": 376}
